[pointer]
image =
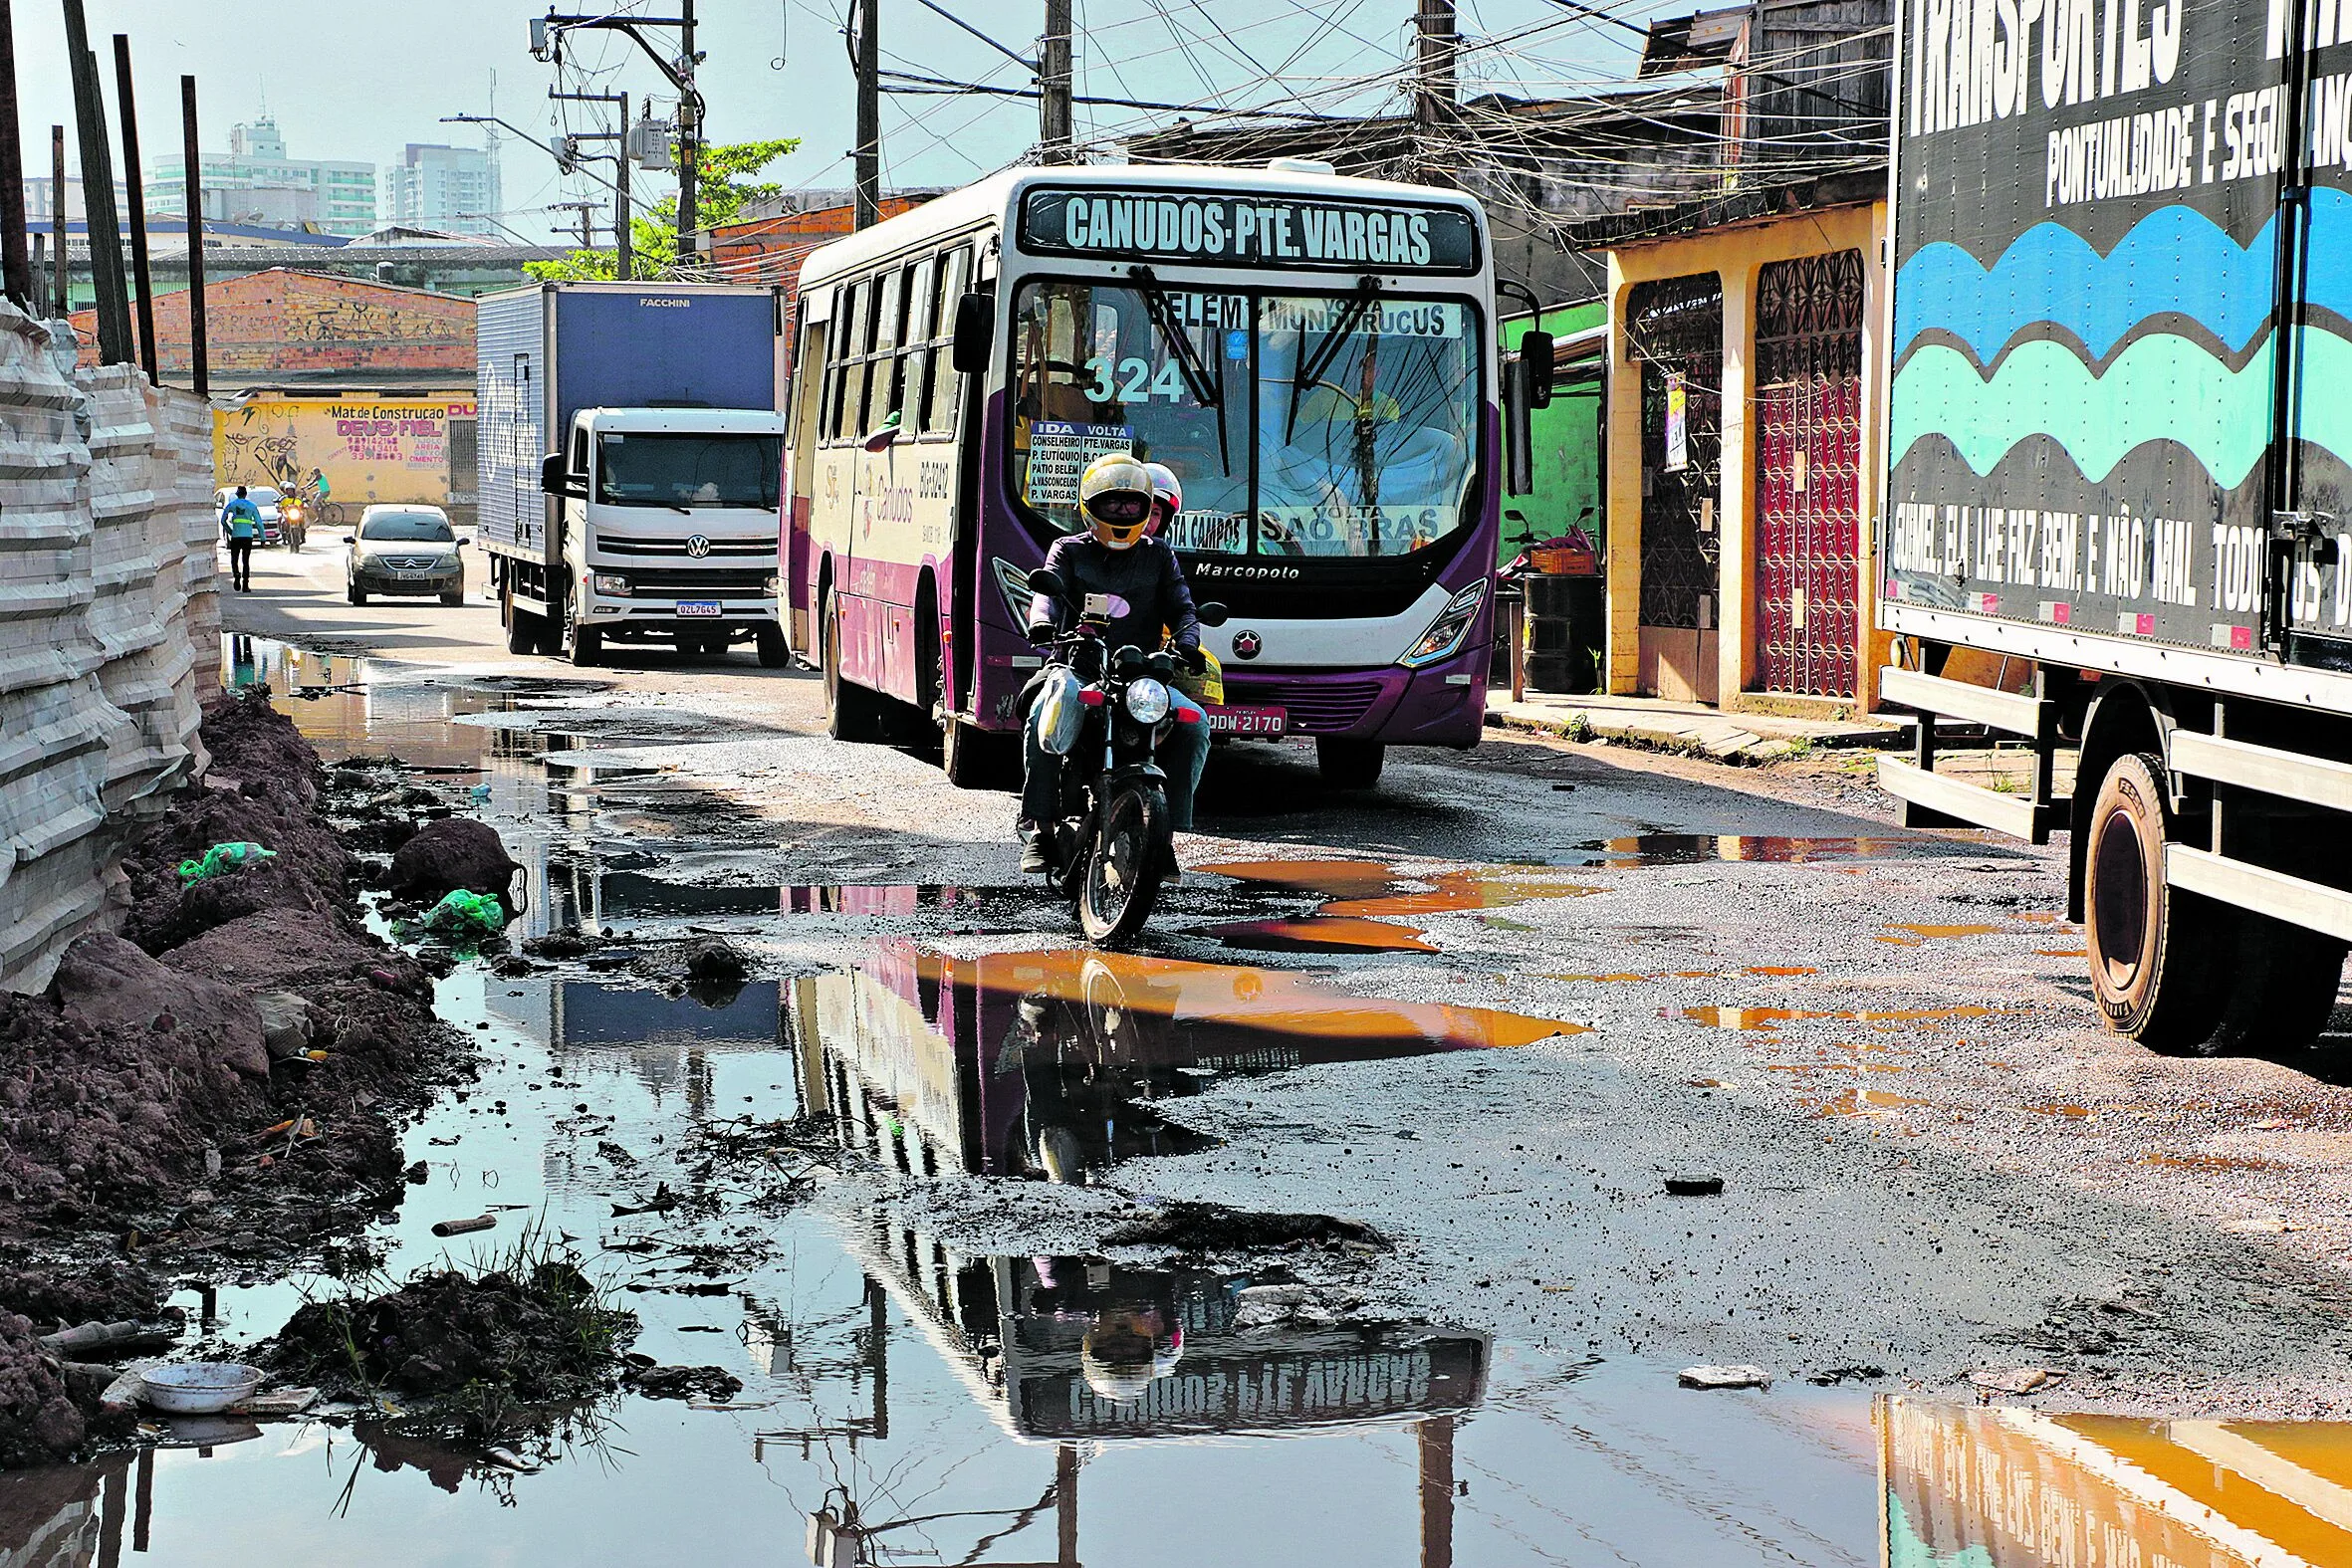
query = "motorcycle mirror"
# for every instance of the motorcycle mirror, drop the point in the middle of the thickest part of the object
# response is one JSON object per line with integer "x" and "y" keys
{"x": 1211, "y": 613}
{"x": 1048, "y": 582}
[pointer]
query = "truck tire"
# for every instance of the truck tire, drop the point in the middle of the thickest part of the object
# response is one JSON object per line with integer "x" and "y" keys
{"x": 2283, "y": 988}
{"x": 521, "y": 630}
{"x": 584, "y": 645}
{"x": 2156, "y": 952}
{"x": 774, "y": 652}
{"x": 1349, "y": 765}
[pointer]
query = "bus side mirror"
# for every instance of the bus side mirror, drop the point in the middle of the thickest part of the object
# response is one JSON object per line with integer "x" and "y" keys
{"x": 1519, "y": 433}
{"x": 1535, "y": 351}
{"x": 554, "y": 480}
{"x": 975, "y": 333}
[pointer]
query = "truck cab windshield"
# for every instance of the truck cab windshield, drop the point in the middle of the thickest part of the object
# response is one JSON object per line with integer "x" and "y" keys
{"x": 685, "y": 471}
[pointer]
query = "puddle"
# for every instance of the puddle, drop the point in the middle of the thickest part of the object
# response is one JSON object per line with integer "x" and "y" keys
{"x": 1685, "y": 849}
{"x": 2213, "y": 1162}
{"x": 1048, "y": 1065}
{"x": 2008, "y": 1487}
{"x": 1363, "y": 898}
{"x": 1920, "y": 935}
{"x": 1766, "y": 1018}
{"x": 1860, "y": 1102}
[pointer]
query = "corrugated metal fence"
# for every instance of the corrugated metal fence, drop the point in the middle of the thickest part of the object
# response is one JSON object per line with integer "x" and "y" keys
{"x": 110, "y": 621}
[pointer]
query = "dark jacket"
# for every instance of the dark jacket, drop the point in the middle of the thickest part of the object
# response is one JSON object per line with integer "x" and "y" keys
{"x": 1146, "y": 587}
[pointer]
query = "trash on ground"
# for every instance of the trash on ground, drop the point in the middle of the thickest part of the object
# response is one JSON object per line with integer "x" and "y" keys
{"x": 467, "y": 914}
{"x": 222, "y": 859}
{"x": 712, "y": 1383}
{"x": 199, "y": 1388}
{"x": 2015, "y": 1380}
{"x": 1725, "y": 1378}
{"x": 464, "y": 1226}
{"x": 1694, "y": 1183}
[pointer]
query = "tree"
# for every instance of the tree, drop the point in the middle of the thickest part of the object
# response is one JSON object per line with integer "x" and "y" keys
{"x": 724, "y": 186}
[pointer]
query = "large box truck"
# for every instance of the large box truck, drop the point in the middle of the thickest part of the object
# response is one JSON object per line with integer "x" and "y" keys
{"x": 2120, "y": 453}
{"x": 631, "y": 458}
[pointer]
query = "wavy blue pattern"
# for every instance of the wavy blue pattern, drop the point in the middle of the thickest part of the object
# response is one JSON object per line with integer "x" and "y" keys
{"x": 2175, "y": 259}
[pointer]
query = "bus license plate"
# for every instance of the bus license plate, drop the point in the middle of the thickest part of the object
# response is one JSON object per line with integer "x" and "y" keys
{"x": 707, "y": 608}
{"x": 1249, "y": 721}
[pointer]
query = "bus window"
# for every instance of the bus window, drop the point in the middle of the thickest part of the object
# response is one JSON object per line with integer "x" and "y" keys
{"x": 922, "y": 315}
{"x": 1094, "y": 371}
{"x": 939, "y": 407}
{"x": 890, "y": 380}
{"x": 1366, "y": 421}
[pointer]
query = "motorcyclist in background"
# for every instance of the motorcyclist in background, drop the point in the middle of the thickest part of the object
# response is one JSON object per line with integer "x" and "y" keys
{"x": 1149, "y": 603}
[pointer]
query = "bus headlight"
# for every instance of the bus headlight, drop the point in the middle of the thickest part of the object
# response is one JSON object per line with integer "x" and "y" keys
{"x": 1444, "y": 637}
{"x": 1147, "y": 701}
{"x": 610, "y": 583}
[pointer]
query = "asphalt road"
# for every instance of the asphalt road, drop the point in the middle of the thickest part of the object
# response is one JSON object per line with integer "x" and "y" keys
{"x": 1934, "y": 1159}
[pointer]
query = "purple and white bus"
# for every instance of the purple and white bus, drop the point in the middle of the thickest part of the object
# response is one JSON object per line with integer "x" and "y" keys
{"x": 1314, "y": 356}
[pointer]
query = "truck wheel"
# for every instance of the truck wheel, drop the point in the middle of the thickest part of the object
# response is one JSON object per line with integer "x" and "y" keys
{"x": 2282, "y": 986}
{"x": 774, "y": 652}
{"x": 851, "y": 712}
{"x": 1349, "y": 765}
{"x": 585, "y": 645}
{"x": 2156, "y": 952}
{"x": 521, "y": 630}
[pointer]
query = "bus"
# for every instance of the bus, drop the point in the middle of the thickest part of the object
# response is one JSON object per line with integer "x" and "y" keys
{"x": 1312, "y": 354}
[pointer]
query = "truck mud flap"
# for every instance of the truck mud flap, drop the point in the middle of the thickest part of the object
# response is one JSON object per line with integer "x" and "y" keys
{"x": 2307, "y": 780}
{"x": 1933, "y": 799}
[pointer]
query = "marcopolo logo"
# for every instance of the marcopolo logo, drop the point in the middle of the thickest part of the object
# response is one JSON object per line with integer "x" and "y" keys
{"x": 1248, "y": 646}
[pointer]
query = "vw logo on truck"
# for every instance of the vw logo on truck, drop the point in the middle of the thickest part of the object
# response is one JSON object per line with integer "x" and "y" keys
{"x": 697, "y": 546}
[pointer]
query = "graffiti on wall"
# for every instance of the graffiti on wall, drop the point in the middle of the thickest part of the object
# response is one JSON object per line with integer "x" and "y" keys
{"x": 356, "y": 321}
{"x": 367, "y": 448}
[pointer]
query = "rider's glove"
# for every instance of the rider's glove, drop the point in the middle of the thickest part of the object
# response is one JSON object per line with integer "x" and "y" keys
{"x": 1039, "y": 633}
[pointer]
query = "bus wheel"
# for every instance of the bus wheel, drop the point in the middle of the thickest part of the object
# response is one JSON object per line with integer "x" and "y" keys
{"x": 851, "y": 712}
{"x": 973, "y": 758}
{"x": 2155, "y": 951}
{"x": 1349, "y": 765}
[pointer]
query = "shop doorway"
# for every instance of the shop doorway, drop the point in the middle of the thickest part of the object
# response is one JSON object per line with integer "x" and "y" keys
{"x": 1808, "y": 455}
{"x": 1674, "y": 330}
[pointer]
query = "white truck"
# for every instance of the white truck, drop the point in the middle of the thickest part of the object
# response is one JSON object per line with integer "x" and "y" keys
{"x": 631, "y": 464}
{"x": 2119, "y": 483}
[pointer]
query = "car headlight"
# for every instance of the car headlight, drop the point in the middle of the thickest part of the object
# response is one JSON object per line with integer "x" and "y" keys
{"x": 1012, "y": 583}
{"x": 1147, "y": 701}
{"x": 610, "y": 583}
{"x": 1444, "y": 636}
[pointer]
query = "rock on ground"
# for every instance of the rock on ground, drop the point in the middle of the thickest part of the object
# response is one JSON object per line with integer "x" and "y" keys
{"x": 453, "y": 853}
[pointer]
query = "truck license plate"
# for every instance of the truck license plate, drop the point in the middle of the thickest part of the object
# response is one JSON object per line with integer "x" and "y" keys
{"x": 708, "y": 608}
{"x": 1263, "y": 722}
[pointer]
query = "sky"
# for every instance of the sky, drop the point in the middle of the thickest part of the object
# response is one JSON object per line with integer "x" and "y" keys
{"x": 360, "y": 81}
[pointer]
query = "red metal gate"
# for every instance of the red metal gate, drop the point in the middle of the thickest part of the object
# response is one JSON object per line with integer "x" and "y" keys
{"x": 1809, "y": 457}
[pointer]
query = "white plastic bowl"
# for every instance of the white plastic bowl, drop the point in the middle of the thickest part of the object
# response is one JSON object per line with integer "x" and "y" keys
{"x": 199, "y": 1388}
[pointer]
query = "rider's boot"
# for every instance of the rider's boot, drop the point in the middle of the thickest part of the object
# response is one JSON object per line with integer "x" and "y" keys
{"x": 1032, "y": 848}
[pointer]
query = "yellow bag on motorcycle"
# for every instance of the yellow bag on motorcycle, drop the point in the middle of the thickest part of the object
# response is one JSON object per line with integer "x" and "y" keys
{"x": 1205, "y": 687}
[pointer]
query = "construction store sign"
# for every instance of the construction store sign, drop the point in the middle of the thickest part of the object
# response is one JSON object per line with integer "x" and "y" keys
{"x": 1234, "y": 230}
{"x": 371, "y": 447}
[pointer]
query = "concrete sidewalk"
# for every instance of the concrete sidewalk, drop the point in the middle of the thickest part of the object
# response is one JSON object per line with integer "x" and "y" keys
{"x": 1688, "y": 727}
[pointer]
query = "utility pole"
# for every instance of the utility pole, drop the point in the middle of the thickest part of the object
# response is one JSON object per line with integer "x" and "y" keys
{"x": 16, "y": 266}
{"x": 1054, "y": 76}
{"x": 866, "y": 156}
{"x": 623, "y": 261}
{"x": 63, "y": 272}
{"x": 1434, "y": 100}
{"x": 192, "y": 188}
{"x": 588, "y": 218}
{"x": 98, "y": 192}
{"x": 136, "y": 201}
{"x": 689, "y": 140}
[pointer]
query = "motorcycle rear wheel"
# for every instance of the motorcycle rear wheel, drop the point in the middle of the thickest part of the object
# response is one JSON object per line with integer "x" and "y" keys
{"x": 1122, "y": 879}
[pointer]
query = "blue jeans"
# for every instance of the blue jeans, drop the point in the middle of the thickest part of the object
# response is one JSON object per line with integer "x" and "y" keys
{"x": 1182, "y": 756}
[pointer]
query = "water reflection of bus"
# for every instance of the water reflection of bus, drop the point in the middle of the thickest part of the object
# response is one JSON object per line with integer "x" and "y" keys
{"x": 1311, "y": 353}
{"x": 2001, "y": 1486}
{"x": 1051, "y": 1063}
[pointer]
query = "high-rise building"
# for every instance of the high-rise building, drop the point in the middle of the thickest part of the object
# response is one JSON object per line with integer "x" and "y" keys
{"x": 444, "y": 187}
{"x": 259, "y": 184}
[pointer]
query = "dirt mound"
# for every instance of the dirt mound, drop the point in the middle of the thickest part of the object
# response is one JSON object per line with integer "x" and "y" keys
{"x": 99, "y": 1291}
{"x": 541, "y": 1334}
{"x": 113, "y": 984}
{"x": 453, "y": 853}
{"x": 38, "y": 1418}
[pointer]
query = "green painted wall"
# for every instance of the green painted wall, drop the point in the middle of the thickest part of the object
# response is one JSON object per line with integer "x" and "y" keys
{"x": 1566, "y": 437}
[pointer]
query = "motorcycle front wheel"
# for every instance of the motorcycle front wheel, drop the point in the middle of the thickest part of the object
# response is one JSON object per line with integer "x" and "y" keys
{"x": 1129, "y": 855}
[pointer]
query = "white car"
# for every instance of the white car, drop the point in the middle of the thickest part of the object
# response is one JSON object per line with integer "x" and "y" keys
{"x": 406, "y": 549}
{"x": 265, "y": 500}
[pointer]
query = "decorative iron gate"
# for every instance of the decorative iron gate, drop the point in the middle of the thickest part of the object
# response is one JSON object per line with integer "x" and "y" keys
{"x": 1673, "y": 326}
{"x": 1809, "y": 451}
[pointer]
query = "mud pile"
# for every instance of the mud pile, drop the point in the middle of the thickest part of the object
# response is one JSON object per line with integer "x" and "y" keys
{"x": 219, "y": 1083}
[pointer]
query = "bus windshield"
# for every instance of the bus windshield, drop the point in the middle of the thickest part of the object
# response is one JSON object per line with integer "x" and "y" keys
{"x": 1354, "y": 417}
{"x": 687, "y": 471}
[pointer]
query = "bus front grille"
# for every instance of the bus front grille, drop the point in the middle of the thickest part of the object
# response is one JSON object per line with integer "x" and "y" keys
{"x": 1315, "y": 707}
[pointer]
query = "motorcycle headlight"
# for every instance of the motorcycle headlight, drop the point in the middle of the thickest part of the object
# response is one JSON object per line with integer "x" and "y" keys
{"x": 1444, "y": 636}
{"x": 610, "y": 583}
{"x": 1147, "y": 701}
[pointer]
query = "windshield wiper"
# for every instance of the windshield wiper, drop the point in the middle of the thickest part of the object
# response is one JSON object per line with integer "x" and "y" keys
{"x": 1208, "y": 392}
{"x": 1312, "y": 366}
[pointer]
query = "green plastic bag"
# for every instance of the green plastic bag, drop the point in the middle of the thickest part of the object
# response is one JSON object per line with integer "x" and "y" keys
{"x": 467, "y": 914}
{"x": 224, "y": 858}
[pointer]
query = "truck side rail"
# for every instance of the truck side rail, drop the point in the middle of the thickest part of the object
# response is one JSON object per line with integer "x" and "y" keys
{"x": 1933, "y": 799}
{"x": 2310, "y": 781}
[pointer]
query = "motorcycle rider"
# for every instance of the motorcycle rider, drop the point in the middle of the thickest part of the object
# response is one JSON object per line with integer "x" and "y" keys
{"x": 1140, "y": 576}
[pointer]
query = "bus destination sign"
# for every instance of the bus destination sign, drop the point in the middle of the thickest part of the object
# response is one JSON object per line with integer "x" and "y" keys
{"x": 1237, "y": 229}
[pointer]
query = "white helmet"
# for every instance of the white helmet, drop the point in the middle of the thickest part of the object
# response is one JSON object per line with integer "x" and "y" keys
{"x": 1167, "y": 497}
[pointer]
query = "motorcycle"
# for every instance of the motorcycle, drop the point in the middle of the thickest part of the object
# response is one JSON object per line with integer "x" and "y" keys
{"x": 1106, "y": 710}
{"x": 293, "y": 523}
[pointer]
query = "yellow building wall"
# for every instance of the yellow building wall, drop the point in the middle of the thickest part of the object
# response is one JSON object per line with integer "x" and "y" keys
{"x": 1737, "y": 253}
{"x": 371, "y": 447}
